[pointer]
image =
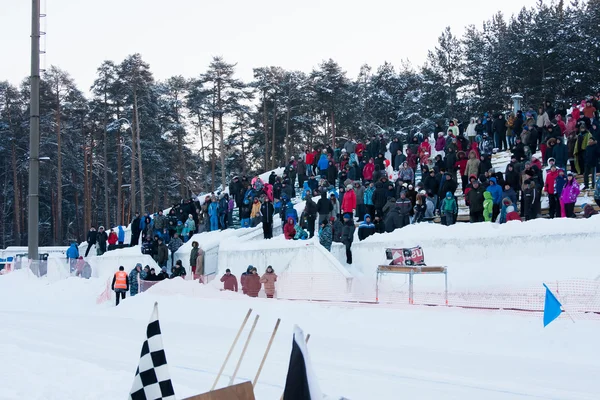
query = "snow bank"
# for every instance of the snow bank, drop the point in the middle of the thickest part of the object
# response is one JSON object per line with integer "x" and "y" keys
{"x": 72, "y": 348}
{"x": 107, "y": 264}
{"x": 305, "y": 269}
{"x": 487, "y": 255}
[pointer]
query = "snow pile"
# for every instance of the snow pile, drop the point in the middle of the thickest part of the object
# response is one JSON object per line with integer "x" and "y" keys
{"x": 306, "y": 270}
{"x": 486, "y": 255}
{"x": 107, "y": 264}
{"x": 72, "y": 348}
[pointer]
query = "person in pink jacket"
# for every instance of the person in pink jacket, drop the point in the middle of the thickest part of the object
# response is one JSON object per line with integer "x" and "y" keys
{"x": 568, "y": 197}
{"x": 268, "y": 280}
{"x": 349, "y": 201}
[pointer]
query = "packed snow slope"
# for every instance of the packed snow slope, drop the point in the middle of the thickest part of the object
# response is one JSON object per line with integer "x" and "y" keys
{"x": 58, "y": 344}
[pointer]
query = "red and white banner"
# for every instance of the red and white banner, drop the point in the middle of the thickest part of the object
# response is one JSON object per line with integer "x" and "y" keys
{"x": 409, "y": 256}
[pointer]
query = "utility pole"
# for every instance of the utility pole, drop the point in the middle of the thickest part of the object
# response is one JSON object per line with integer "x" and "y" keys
{"x": 34, "y": 141}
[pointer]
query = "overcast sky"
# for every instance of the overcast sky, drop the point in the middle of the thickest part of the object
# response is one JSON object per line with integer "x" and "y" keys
{"x": 179, "y": 37}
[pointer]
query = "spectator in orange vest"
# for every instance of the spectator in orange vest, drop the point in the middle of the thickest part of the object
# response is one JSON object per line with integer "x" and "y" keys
{"x": 120, "y": 284}
{"x": 229, "y": 281}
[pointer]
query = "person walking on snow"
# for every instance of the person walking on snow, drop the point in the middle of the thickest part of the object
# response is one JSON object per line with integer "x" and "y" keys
{"x": 229, "y": 281}
{"x": 252, "y": 282}
{"x": 72, "y": 256}
{"x": 120, "y": 284}
{"x": 268, "y": 280}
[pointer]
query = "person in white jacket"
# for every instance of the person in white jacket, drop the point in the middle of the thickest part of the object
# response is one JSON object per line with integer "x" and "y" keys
{"x": 471, "y": 132}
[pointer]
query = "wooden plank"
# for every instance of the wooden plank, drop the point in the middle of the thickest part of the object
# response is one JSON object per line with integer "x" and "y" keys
{"x": 242, "y": 391}
{"x": 409, "y": 269}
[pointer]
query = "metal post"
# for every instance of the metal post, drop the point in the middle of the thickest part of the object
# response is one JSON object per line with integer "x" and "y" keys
{"x": 446, "y": 281}
{"x": 410, "y": 288}
{"x": 377, "y": 288}
{"x": 34, "y": 139}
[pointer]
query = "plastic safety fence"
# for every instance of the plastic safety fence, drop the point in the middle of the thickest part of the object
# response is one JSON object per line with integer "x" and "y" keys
{"x": 145, "y": 285}
{"x": 578, "y": 296}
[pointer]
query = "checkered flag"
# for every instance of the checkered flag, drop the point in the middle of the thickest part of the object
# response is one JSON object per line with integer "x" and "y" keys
{"x": 152, "y": 380}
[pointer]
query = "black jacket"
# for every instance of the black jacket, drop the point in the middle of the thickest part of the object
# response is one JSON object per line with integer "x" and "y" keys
{"x": 393, "y": 221}
{"x": 324, "y": 205}
{"x": 475, "y": 199}
{"x": 92, "y": 236}
{"x": 513, "y": 178}
{"x": 500, "y": 126}
{"x": 379, "y": 196}
{"x": 267, "y": 210}
{"x": 310, "y": 209}
{"x": 348, "y": 232}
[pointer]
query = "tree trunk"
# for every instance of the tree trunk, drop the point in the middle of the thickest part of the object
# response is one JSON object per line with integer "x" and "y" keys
{"x": 273, "y": 135}
{"x": 222, "y": 144}
{"x": 16, "y": 205}
{"x": 287, "y": 135}
{"x": 86, "y": 186}
{"x": 105, "y": 156}
{"x": 119, "y": 181}
{"x": 77, "y": 222}
{"x": 59, "y": 233}
{"x": 139, "y": 153}
{"x": 243, "y": 148}
{"x": 265, "y": 129}
{"x": 332, "y": 128}
{"x": 213, "y": 157}
{"x": 181, "y": 163}
{"x": 132, "y": 202}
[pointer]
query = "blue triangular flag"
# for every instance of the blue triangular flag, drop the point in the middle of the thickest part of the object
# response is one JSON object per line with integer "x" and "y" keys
{"x": 552, "y": 308}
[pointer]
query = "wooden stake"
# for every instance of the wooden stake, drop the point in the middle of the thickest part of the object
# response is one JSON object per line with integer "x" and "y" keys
{"x": 231, "y": 350}
{"x": 262, "y": 363}
{"x": 237, "y": 367}
{"x": 306, "y": 341}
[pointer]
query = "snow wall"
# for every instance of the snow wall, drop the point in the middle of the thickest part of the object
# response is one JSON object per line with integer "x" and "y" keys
{"x": 107, "y": 264}
{"x": 210, "y": 242}
{"x": 489, "y": 265}
{"x": 305, "y": 269}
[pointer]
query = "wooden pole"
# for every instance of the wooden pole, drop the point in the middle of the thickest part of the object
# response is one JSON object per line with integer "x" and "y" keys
{"x": 231, "y": 349}
{"x": 306, "y": 341}
{"x": 262, "y": 363}
{"x": 237, "y": 367}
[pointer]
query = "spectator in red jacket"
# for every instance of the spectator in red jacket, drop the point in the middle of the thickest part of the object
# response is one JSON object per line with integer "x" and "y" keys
{"x": 512, "y": 215}
{"x": 112, "y": 238}
{"x": 253, "y": 284}
{"x": 229, "y": 281}
{"x": 310, "y": 157}
{"x": 461, "y": 164}
{"x": 289, "y": 231}
{"x": 349, "y": 201}
{"x": 368, "y": 170}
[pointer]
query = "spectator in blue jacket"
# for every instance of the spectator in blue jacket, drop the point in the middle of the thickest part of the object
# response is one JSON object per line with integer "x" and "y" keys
{"x": 496, "y": 192}
{"x": 323, "y": 164}
{"x": 72, "y": 256}
{"x": 121, "y": 235}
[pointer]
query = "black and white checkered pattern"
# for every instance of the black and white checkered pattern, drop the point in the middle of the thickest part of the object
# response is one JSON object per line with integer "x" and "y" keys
{"x": 152, "y": 380}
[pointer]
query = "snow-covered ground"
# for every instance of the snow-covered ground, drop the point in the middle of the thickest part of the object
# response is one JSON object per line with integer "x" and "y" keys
{"x": 58, "y": 344}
